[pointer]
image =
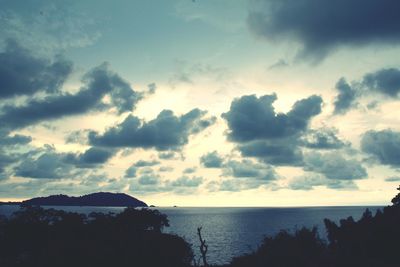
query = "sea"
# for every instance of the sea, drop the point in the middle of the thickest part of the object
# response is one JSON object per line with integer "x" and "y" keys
{"x": 231, "y": 232}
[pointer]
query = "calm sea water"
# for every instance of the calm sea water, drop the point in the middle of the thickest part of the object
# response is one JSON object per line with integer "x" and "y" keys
{"x": 231, "y": 232}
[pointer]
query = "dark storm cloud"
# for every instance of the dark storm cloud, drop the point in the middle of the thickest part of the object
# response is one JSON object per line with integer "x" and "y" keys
{"x": 276, "y": 152}
{"x": 21, "y": 73}
{"x": 324, "y": 138}
{"x": 334, "y": 166}
{"x": 211, "y": 160}
{"x": 251, "y": 118}
{"x": 91, "y": 157}
{"x": 385, "y": 81}
{"x": 8, "y": 153}
{"x": 99, "y": 82}
{"x": 17, "y": 139}
{"x": 167, "y": 131}
{"x": 5, "y": 160}
{"x": 383, "y": 145}
{"x": 322, "y": 26}
{"x": 48, "y": 165}
{"x": 266, "y": 135}
{"x": 345, "y": 100}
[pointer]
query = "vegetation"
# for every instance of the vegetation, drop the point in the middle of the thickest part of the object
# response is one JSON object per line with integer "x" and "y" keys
{"x": 370, "y": 242}
{"x": 41, "y": 237}
{"x": 37, "y": 237}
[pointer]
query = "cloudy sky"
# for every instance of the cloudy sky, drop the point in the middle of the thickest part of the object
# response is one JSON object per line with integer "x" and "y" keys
{"x": 201, "y": 103}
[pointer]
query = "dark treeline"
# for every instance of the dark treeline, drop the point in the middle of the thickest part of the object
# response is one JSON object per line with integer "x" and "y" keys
{"x": 34, "y": 236}
{"x": 372, "y": 241}
{"x": 46, "y": 237}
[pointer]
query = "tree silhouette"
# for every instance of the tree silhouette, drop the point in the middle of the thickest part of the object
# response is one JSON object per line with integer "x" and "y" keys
{"x": 203, "y": 248}
{"x": 34, "y": 236}
{"x": 396, "y": 199}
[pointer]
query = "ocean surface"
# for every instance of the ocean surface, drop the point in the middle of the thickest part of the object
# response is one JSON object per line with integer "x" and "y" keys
{"x": 231, "y": 232}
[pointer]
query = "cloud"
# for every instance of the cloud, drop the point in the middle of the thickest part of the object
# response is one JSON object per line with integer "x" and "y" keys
{"x": 281, "y": 63}
{"x": 48, "y": 165}
{"x": 167, "y": 155}
{"x": 324, "y": 138}
{"x": 235, "y": 185}
{"x": 131, "y": 172}
{"x": 21, "y": 73}
{"x": 243, "y": 175}
{"x": 144, "y": 163}
{"x": 334, "y": 166}
{"x": 46, "y": 162}
{"x": 345, "y": 100}
{"x": 266, "y": 135}
{"x": 165, "y": 132}
{"x": 384, "y": 146}
{"x": 17, "y": 139}
{"x": 22, "y": 189}
{"x": 186, "y": 181}
{"x": 323, "y": 26}
{"x": 251, "y": 118}
{"x": 279, "y": 152}
{"x": 99, "y": 82}
{"x": 211, "y": 160}
{"x": 190, "y": 170}
{"x": 5, "y": 161}
{"x": 384, "y": 81}
{"x": 165, "y": 169}
{"x": 90, "y": 158}
{"x": 152, "y": 87}
{"x": 152, "y": 182}
{"x": 149, "y": 179}
{"x": 10, "y": 146}
{"x": 309, "y": 181}
{"x": 393, "y": 179}
{"x": 248, "y": 169}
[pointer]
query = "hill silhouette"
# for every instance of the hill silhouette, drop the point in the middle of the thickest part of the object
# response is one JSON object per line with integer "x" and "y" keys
{"x": 104, "y": 199}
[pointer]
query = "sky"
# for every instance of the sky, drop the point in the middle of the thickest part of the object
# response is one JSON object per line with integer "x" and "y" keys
{"x": 201, "y": 102}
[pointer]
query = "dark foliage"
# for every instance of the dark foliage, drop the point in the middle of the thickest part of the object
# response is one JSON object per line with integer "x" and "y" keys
{"x": 37, "y": 237}
{"x": 34, "y": 236}
{"x": 302, "y": 249}
{"x": 371, "y": 241}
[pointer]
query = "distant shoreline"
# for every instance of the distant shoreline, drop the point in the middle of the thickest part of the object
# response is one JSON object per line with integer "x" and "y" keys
{"x": 100, "y": 199}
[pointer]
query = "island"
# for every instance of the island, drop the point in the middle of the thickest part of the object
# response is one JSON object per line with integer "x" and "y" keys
{"x": 100, "y": 199}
